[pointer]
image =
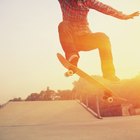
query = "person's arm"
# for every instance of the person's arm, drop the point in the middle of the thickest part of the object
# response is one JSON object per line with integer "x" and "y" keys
{"x": 103, "y": 8}
{"x": 60, "y": 0}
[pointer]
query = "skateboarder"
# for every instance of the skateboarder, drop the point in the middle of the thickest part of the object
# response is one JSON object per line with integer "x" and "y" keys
{"x": 76, "y": 36}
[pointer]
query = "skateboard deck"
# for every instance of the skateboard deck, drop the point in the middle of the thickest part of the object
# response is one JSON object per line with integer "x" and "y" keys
{"x": 109, "y": 95}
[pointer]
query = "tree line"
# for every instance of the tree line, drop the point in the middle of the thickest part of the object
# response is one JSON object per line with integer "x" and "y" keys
{"x": 128, "y": 88}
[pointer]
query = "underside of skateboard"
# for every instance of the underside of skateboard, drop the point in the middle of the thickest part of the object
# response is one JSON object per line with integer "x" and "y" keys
{"x": 108, "y": 95}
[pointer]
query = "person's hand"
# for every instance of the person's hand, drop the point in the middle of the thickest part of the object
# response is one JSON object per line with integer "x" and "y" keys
{"x": 131, "y": 16}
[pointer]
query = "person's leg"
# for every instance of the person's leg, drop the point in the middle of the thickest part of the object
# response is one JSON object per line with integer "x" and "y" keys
{"x": 100, "y": 41}
{"x": 67, "y": 43}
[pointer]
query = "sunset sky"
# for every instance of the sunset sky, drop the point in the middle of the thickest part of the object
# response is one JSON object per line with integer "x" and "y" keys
{"x": 29, "y": 43}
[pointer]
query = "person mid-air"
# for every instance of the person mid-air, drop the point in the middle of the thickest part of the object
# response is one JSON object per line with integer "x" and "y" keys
{"x": 75, "y": 35}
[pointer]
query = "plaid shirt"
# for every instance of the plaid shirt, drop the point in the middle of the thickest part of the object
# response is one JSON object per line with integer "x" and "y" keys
{"x": 76, "y": 12}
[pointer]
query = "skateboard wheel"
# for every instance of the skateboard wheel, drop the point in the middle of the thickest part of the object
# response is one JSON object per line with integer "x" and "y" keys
{"x": 110, "y": 99}
{"x": 69, "y": 73}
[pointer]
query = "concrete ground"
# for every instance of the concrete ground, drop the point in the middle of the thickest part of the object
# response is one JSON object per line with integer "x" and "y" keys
{"x": 62, "y": 120}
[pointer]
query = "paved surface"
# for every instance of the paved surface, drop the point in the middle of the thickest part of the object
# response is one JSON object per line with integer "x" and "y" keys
{"x": 62, "y": 120}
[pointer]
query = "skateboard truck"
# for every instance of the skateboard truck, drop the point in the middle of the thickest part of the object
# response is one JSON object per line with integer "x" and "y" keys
{"x": 108, "y": 97}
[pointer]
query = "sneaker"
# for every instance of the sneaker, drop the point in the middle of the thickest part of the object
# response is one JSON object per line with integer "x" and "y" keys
{"x": 112, "y": 78}
{"x": 73, "y": 59}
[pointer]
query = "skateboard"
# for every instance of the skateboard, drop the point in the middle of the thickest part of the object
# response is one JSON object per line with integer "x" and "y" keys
{"x": 109, "y": 95}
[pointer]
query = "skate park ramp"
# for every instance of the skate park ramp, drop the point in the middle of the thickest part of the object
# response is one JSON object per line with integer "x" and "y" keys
{"x": 62, "y": 120}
